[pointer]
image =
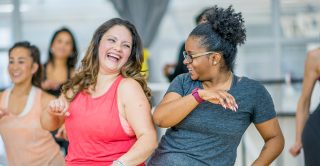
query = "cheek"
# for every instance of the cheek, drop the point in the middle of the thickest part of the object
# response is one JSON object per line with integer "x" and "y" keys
{"x": 69, "y": 48}
{"x": 27, "y": 68}
{"x": 126, "y": 55}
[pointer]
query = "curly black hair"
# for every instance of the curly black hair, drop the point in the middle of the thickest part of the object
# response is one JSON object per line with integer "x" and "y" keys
{"x": 200, "y": 15}
{"x": 224, "y": 30}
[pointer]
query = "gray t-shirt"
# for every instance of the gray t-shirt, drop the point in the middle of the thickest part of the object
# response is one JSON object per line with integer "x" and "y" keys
{"x": 210, "y": 135}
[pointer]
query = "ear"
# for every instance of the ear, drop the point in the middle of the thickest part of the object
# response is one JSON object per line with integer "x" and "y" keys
{"x": 35, "y": 68}
{"x": 216, "y": 58}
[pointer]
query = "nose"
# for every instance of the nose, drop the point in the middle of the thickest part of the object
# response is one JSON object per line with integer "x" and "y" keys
{"x": 117, "y": 46}
{"x": 186, "y": 61}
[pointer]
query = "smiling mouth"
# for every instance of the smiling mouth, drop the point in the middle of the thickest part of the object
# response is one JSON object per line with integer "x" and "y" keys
{"x": 16, "y": 74}
{"x": 113, "y": 57}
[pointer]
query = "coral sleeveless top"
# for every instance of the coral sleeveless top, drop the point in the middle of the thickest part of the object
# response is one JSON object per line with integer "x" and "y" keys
{"x": 95, "y": 132}
{"x": 25, "y": 141}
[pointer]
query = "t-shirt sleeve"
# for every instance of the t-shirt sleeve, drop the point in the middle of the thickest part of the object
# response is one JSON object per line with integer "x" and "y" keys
{"x": 177, "y": 85}
{"x": 263, "y": 107}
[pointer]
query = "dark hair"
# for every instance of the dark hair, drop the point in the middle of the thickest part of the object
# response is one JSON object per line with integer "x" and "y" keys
{"x": 222, "y": 33}
{"x": 35, "y": 55}
{"x": 72, "y": 59}
{"x": 88, "y": 72}
{"x": 200, "y": 15}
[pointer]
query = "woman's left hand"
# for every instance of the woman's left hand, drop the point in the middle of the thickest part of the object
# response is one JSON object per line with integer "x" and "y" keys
{"x": 221, "y": 97}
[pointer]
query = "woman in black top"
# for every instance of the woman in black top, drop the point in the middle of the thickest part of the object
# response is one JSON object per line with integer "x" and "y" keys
{"x": 63, "y": 55}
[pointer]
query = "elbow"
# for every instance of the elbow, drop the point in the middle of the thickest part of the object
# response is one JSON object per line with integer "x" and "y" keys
{"x": 156, "y": 120}
{"x": 281, "y": 143}
{"x": 150, "y": 142}
{"x": 44, "y": 125}
{"x": 278, "y": 144}
{"x": 160, "y": 122}
{"x": 47, "y": 125}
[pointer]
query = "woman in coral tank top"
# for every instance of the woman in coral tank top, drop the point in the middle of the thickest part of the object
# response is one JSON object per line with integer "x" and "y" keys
{"x": 25, "y": 141}
{"x": 105, "y": 105}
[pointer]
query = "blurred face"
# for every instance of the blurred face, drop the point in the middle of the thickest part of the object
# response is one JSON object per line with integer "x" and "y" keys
{"x": 114, "y": 49}
{"x": 21, "y": 66}
{"x": 62, "y": 46}
{"x": 200, "y": 65}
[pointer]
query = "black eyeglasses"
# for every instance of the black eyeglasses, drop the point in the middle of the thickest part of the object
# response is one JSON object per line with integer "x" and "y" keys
{"x": 189, "y": 57}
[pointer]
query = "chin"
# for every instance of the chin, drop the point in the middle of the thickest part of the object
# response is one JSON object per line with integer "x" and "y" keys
{"x": 193, "y": 77}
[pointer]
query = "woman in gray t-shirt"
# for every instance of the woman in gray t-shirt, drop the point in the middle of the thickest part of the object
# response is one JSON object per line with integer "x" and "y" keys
{"x": 208, "y": 109}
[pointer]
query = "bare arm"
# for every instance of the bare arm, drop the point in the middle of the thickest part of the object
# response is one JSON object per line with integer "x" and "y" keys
{"x": 303, "y": 107}
{"x": 3, "y": 111}
{"x": 53, "y": 115}
{"x": 137, "y": 111}
{"x": 174, "y": 108}
{"x": 274, "y": 141}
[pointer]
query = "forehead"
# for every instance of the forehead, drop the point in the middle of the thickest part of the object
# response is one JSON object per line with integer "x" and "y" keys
{"x": 193, "y": 43}
{"x": 120, "y": 32}
{"x": 64, "y": 35}
{"x": 19, "y": 52}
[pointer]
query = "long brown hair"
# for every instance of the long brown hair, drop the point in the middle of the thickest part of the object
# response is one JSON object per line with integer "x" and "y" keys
{"x": 88, "y": 71}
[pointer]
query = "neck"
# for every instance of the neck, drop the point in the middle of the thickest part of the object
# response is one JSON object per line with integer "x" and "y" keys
{"x": 102, "y": 78}
{"x": 59, "y": 62}
{"x": 221, "y": 81}
{"x": 21, "y": 89}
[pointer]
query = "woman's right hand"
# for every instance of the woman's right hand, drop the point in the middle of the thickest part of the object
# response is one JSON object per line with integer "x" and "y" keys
{"x": 295, "y": 149}
{"x": 222, "y": 97}
{"x": 58, "y": 107}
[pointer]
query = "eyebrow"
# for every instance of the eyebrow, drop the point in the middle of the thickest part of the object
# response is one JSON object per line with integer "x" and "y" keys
{"x": 19, "y": 58}
{"x": 191, "y": 51}
{"x": 117, "y": 39}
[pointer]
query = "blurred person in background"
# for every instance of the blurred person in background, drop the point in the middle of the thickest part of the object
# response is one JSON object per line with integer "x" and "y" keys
{"x": 25, "y": 141}
{"x": 60, "y": 67}
{"x": 105, "y": 106}
{"x": 173, "y": 70}
{"x": 308, "y": 127}
{"x": 61, "y": 64}
{"x": 208, "y": 109}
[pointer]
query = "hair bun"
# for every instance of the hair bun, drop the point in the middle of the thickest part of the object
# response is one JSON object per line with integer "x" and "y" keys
{"x": 228, "y": 24}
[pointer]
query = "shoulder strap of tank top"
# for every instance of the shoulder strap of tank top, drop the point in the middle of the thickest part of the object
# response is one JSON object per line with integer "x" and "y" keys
{"x": 115, "y": 85}
{"x": 30, "y": 101}
{"x": 117, "y": 82}
{"x": 29, "y": 104}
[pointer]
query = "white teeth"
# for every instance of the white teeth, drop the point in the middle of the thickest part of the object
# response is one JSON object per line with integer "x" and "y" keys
{"x": 114, "y": 56}
{"x": 16, "y": 74}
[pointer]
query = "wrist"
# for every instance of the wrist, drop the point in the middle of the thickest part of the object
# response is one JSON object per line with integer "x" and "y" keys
{"x": 197, "y": 95}
{"x": 118, "y": 163}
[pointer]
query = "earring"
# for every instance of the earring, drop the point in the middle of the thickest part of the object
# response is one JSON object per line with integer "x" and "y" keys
{"x": 214, "y": 63}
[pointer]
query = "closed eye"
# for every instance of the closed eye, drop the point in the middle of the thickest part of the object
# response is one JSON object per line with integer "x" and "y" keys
{"x": 111, "y": 40}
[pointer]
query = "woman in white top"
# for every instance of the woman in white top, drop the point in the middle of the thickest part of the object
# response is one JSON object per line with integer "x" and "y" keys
{"x": 25, "y": 141}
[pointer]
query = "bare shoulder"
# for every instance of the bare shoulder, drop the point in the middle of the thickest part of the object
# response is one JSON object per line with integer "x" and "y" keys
{"x": 313, "y": 59}
{"x": 314, "y": 54}
{"x": 129, "y": 85}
